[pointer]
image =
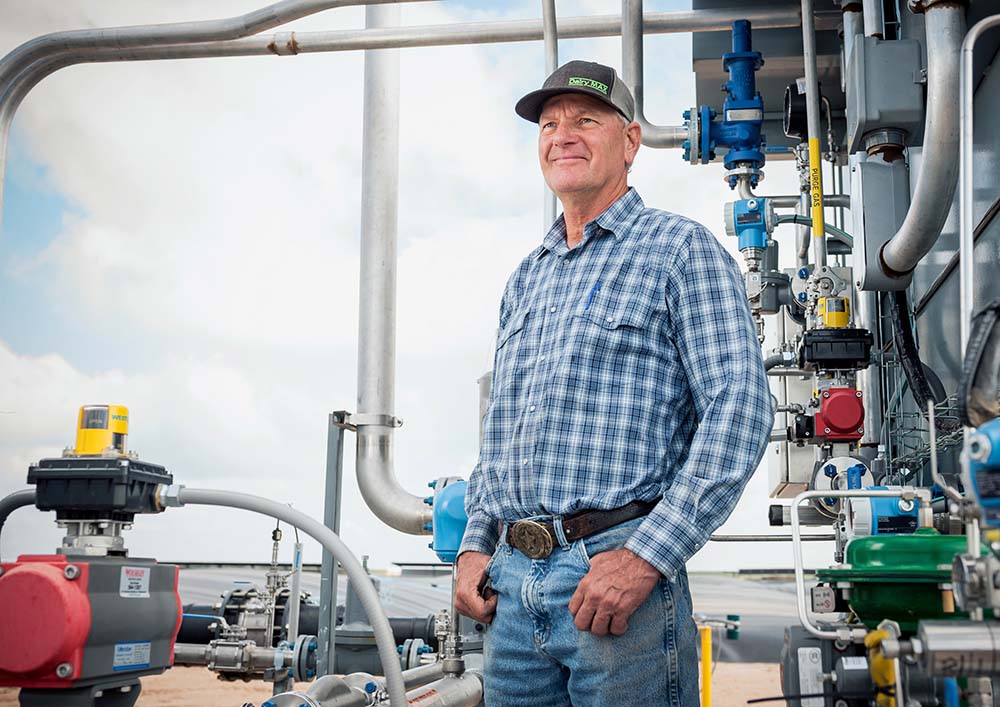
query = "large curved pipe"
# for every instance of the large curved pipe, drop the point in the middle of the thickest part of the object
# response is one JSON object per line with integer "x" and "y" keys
{"x": 11, "y": 502}
{"x": 377, "y": 302}
{"x": 61, "y": 43}
{"x": 334, "y": 545}
{"x": 664, "y": 136}
{"x": 931, "y": 201}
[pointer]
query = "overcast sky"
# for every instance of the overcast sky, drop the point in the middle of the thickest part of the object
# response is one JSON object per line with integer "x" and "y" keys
{"x": 182, "y": 238}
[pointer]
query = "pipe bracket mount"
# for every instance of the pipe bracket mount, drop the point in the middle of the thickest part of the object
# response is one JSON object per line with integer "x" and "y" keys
{"x": 373, "y": 420}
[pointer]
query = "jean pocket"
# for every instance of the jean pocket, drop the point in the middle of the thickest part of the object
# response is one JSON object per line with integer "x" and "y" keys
{"x": 581, "y": 550}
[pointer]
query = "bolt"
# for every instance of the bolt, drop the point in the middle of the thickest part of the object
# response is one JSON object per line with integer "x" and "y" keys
{"x": 310, "y": 673}
{"x": 71, "y": 572}
{"x": 267, "y": 704}
{"x": 861, "y": 430}
{"x": 399, "y": 649}
{"x": 428, "y": 526}
{"x": 802, "y": 297}
{"x": 430, "y": 484}
{"x": 64, "y": 670}
{"x": 826, "y": 430}
{"x": 858, "y": 393}
{"x": 803, "y": 273}
{"x": 370, "y": 687}
{"x": 830, "y": 470}
{"x": 429, "y": 500}
{"x": 826, "y": 393}
{"x": 687, "y": 115}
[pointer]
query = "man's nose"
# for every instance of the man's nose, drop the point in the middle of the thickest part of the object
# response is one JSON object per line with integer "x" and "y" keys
{"x": 564, "y": 134}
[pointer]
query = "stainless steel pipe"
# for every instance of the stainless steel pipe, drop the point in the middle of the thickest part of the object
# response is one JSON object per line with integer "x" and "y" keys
{"x": 551, "y": 38}
{"x": 931, "y": 201}
{"x": 874, "y": 18}
{"x": 813, "y": 127}
{"x": 377, "y": 302}
{"x": 664, "y": 136}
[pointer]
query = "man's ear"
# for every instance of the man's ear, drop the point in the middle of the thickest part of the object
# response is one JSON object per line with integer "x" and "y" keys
{"x": 633, "y": 141}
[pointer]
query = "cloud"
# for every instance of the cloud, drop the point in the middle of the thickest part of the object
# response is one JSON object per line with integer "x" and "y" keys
{"x": 212, "y": 251}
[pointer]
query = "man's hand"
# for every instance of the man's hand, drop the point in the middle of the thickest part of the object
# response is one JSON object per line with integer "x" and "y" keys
{"x": 471, "y": 573}
{"x": 617, "y": 583}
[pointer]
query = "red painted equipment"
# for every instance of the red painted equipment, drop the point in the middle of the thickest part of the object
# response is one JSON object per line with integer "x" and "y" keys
{"x": 841, "y": 415}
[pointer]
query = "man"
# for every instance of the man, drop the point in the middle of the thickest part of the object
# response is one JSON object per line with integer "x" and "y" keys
{"x": 629, "y": 407}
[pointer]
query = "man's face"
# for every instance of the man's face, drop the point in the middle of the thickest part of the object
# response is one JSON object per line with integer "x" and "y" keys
{"x": 583, "y": 144}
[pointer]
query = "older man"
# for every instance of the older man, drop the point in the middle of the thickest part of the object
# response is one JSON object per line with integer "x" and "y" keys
{"x": 629, "y": 407}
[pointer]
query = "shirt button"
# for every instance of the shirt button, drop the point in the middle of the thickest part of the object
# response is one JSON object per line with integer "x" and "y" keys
{"x": 611, "y": 320}
{"x": 531, "y": 409}
{"x": 524, "y": 463}
{"x": 542, "y": 358}
{"x": 552, "y": 309}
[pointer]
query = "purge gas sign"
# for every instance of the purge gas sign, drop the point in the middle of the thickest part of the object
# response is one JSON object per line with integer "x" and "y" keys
{"x": 134, "y": 582}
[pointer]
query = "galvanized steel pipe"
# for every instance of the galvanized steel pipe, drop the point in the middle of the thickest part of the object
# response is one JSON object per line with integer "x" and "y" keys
{"x": 931, "y": 201}
{"x": 813, "y": 127}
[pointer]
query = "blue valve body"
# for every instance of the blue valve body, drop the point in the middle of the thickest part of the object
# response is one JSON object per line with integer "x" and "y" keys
{"x": 450, "y": 520}
{"x": 984, "y": 467}
{"x": 742, "y": 111}
{"x": 749, "y": 221}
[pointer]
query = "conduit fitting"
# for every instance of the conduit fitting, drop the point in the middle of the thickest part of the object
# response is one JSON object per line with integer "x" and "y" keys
{"x": 283, "y": 44}
{"x": 919, "y": 6}
{"x": 168, "y": 496}
{"x": 887, "y": 142}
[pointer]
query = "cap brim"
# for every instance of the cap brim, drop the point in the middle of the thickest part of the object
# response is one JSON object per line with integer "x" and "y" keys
{"x": 530, "y": 106}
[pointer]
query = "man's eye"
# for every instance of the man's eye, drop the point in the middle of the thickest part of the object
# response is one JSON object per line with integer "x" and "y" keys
{"x": 587, "y": 120}
{"x": 548, "y": 125}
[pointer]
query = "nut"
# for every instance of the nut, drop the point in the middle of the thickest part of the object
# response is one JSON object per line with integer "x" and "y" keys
{"x": 71, "y": 572}
{"x": 64, "y": 670}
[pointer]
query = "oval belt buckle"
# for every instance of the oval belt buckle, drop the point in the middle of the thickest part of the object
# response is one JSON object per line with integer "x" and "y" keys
{"x": 531, "y": 538}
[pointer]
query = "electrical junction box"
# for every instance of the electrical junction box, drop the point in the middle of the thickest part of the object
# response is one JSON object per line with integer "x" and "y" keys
{"x": 880, "y": 198}
{"x": 884, "y": 80}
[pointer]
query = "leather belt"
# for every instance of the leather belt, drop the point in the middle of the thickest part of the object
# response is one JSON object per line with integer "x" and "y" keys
{"x": 536, "y": 539}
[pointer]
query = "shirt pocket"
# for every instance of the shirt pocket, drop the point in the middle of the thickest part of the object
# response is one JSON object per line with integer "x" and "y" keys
{"x": 616, "y": 313}
{"x": 510, "y": 352}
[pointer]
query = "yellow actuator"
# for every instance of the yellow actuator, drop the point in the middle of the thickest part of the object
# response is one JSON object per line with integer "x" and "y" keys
{"x": 833, "y": 312}
{"x": 101, "y": 430}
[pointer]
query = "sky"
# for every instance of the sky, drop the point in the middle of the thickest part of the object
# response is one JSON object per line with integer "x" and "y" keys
{"x": 182, "y": 238}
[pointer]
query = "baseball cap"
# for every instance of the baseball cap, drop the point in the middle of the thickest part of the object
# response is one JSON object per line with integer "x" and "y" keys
{"x": 586, "y": 77}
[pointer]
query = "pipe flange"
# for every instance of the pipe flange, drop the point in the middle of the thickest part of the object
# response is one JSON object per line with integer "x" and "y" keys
{"x": 374, "y": 420}
{"x": 694, "y": 135}
{"x": 743, "y": 170}
{"x": 304, "y": 658}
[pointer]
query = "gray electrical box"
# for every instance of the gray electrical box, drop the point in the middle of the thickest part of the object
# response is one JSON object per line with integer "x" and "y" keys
{"x": 885, "y": 82}
{"x": 880, "y": 198}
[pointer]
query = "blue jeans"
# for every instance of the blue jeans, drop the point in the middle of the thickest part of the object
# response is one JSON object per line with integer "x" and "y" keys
{"x": 535, "y": 656}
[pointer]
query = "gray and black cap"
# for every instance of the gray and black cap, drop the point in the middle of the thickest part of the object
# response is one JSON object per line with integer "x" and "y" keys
{"x": 585, "y": 77}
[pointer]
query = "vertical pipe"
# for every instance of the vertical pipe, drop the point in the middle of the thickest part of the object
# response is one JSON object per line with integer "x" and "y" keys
{"x": 802, "y": 232}
{"x": 295, "y": 596}
{"x": 874, "y": 19}
{"x": 854, "y": 27}
{"x": 706, "y": 666}
{"x": 812, "y": 117}
{"x": 377, "y": 316}
{"x": 551, "y": 36}
{"x": 327, "y": 624}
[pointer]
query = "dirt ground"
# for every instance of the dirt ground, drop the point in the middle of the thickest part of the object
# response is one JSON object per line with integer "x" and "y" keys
{"x": 732, "y": 685}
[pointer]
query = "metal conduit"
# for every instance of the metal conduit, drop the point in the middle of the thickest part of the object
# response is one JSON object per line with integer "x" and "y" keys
{"x": 293, "y": 43}
{"x": 61, "y": 43}
{"x": 931, "y": 201}
{"x": 813, "y": 127}
{"x": 664, "y": 136}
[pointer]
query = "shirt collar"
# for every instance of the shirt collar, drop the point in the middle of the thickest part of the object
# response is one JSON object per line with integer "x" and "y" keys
{"x": 616, "y": 219}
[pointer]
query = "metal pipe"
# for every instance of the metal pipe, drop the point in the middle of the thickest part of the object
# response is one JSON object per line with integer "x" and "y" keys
{"x": 11, "y": 502}
{"x": 377, "y": 302}
{"x": 873, "y": 18}
{"x": 551, "y": 36}
{"x": 293, "y": 43}
{"x": 295, "y": 596}
{"x": 931, "y": 200}
{"x": 423, "y": 674}
{"x": 770, "y": 538}
{"x": 465, "y": 690}
{"x": 844, "y": 633}
{"x": 788, "y": 201}
{"x": 854, "y": 25}
{"x": 61, "y": 43}
{"x": 367, "y": 595}
{"x": 664, "y": 136}
{"x": 249, "y": 658}
{"x": 813, "y": 127}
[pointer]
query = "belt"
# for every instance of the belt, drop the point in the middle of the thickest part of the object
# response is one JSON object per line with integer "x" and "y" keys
{"x": 536, "y": 539}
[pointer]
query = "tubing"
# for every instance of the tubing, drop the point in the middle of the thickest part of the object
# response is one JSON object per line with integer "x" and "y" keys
{"x": 334, "y": 545}
{"x": 873, "y": 18}
{"x": 842, "y": 236}
{"x": 61, "y": 43}
{"x": 782, "y": 359}
{"x": 377, "y": 302}
{"x": 812, "y": 120}
{"x": 931, "y": 201}
{"x": 906, "y": 350}
{"x": 664, "y": 136}
{"x": 11, "y": 502}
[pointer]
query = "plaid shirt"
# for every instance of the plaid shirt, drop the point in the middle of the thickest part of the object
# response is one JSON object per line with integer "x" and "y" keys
{"x": 625, "y": 369}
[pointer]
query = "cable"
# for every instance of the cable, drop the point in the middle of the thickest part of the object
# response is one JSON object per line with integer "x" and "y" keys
{"x": 842, "y": 236}
{"x": 906, "y": 349}
{"x": 18, "y": 499}
{"x": 811, "y": 695}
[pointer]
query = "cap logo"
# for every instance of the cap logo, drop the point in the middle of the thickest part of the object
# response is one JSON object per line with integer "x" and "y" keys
{"x": 589, "y": 83}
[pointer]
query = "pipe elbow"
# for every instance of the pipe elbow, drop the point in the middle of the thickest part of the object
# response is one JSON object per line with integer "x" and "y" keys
{"x": 389, "y": 501}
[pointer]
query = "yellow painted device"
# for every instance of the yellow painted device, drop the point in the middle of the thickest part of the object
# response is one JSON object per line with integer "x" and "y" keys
{"x": 833, "y": 312}
{"x": 101, "y": 430}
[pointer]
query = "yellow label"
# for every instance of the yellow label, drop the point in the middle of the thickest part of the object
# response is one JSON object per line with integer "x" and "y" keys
{"x": 816, "y": 188}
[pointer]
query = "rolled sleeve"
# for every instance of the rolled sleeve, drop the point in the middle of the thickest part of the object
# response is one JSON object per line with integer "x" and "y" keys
{"x": 713, "y": 331}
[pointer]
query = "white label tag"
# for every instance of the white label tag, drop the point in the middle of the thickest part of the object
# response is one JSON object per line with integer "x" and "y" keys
{"x": 132, "y": 656}
{"x": 856, "y": 662}
{"x": 810, "y": 670}
{"x": 134, "y": 582}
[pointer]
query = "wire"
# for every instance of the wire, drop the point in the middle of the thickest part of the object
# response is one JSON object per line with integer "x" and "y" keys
{"x": 842, "y": 236}
{"x": 806, "y": 696}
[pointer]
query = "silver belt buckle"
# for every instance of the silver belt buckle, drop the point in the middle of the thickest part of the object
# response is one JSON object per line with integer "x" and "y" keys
{"x": 532, "y": 539}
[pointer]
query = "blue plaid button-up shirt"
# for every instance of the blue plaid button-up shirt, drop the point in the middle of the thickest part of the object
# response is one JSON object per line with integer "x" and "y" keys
{"x": 625, "y": 369}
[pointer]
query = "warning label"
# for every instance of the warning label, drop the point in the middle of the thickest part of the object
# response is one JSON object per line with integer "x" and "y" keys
{"x": 134, "y": 582}
{"x": 424, "y": 698}
{"x": 132, "y": 656}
